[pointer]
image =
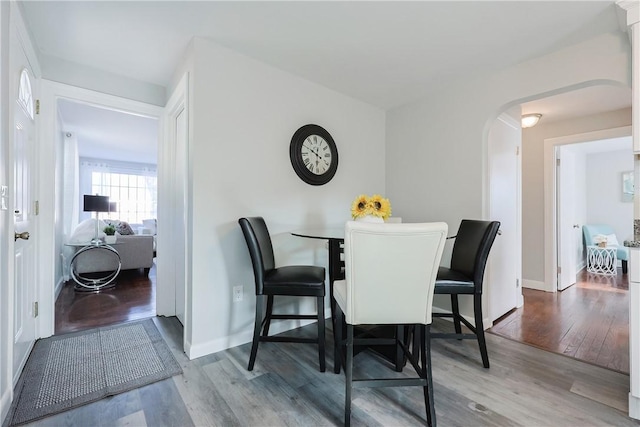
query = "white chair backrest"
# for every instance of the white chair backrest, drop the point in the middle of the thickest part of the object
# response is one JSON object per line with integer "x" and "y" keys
{"x": 391, "y": 271}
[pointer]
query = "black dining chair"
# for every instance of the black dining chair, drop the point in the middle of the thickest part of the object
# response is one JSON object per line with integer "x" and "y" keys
{"x": 296, "y": 280}
{"x": 465, "y": 276}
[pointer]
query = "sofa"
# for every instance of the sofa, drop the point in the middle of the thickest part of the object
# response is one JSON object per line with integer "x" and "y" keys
{"x": 136, "y": 252}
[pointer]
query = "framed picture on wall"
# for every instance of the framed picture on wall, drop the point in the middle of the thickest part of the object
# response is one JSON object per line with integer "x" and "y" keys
{"x": 627, "y": 186}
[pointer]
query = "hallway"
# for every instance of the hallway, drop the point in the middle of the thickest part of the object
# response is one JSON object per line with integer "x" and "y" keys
{"x": 588, "y": 321}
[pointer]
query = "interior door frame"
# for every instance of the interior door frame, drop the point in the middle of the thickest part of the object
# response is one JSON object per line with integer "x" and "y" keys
{"x": 550, "y": 194}
{"x": 173, "y": 216}
{"x": 50, "y": 93}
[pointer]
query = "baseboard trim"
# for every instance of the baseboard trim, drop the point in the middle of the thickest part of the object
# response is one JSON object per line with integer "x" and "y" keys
{"x": 5, "y": 403}
{"x": 193, "y": 351}
{"x": 534, "y": 284}
{"x": 634, "y": 407}
{"x": 58, "y": 288}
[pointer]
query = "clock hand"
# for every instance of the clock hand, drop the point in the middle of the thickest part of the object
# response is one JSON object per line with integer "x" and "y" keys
{"x": 316, "y": 153}
{"x": 311, "y": 149}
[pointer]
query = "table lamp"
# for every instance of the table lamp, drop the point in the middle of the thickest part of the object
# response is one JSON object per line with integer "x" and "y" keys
{"x": 96, "y": 204}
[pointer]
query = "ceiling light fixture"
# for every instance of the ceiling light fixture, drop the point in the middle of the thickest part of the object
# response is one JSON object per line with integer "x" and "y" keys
{"x": 530, "y": 120}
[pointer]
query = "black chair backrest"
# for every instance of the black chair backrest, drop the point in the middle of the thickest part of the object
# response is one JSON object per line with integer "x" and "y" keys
{"x": 258, "y": 241}
{"x": 471, "y": 248}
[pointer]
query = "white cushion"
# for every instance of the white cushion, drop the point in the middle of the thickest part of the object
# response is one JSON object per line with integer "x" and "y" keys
{"x": 86, "y": 230}
{"x": 151, "y": 225}
{"x": 612, "y": 240}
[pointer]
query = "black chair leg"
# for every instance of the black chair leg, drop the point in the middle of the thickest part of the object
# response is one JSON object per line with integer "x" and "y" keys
{"x": 256, "y": 330}
{"x": 348, "y": 370}
{"x": 455, "y": 309}
{"x": 425, "y": 344}
{"x": 477, "y": 308}
{"x": 321, "y": 333}
{"x": 625, "y": 267}
{"x": 337, "y": 338}
{"x": 399, "y": 351}
{"x": 269, "y": 312}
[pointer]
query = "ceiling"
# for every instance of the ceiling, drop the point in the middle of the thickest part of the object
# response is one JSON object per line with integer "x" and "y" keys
{"x": 383, "y": 53}
{"x": 107, "y": 134}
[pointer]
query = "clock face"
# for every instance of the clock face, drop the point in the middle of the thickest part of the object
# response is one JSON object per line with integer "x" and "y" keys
{"x": 313, "y": 155}
{"x": 316, "y": 154}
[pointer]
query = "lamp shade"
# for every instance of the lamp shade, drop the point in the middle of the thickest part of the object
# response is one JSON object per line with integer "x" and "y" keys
{"x": 113, "y": 206}
{"x": 96, "y": 203}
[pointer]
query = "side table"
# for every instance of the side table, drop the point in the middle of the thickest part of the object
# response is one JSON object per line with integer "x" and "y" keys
{"x": 96, "y": 281}
{"x": 602, "y": 260}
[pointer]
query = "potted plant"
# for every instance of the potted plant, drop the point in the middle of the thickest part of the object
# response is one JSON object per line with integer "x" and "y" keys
{"x": 110, "y": 232}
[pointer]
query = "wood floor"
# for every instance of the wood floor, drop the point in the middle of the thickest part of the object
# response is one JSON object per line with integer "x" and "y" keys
{"x": 525, "y": 386}
{"x": 133, "y": 298}
{"x": 587, "y": 321}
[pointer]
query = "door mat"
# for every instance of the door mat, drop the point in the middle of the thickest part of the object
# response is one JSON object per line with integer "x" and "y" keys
{"x": 71, "y": 370}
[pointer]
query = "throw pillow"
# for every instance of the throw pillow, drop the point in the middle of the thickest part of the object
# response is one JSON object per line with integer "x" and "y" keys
{"x": 86, "y": 230}
{"x": 612, "y": 240}
{"x": 124, "y": 228}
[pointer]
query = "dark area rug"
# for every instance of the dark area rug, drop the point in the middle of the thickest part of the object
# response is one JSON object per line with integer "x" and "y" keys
{"x": 71, "y": 370}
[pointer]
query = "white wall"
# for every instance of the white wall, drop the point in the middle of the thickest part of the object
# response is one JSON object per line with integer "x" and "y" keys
{"x": 244, "y": 115}
{"x": 62, "y": 71}
{"x": 533, "y": 180}
{"x": 436, "y": 148}
{"x": 604, "y": 195}
{"x": 59, "y": 239}
{"x": 581, "y": 204}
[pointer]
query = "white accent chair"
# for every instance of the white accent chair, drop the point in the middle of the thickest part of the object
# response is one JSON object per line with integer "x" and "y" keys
{"x": 390, "y": 273}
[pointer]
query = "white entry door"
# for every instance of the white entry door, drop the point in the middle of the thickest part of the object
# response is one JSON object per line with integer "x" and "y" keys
{"x": 25, "y": 290}
{"x": 568, "y": 229}
{"x": 503, "y": 282}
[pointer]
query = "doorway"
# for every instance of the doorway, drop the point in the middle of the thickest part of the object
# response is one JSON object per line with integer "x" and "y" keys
{"x": 110, "y": 153}
{"x": 580, "y": 315}
{"x": 51, "y": 205}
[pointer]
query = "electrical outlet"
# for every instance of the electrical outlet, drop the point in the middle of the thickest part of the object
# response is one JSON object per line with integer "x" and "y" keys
{"x": 237, "y": 293}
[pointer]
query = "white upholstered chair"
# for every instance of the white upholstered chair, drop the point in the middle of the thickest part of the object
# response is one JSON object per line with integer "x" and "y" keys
{"x": 390, "y": 271}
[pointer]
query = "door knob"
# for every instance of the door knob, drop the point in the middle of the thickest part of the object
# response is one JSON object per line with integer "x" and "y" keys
{"x": 576, "y": 226}
{"x": 24, "y": 235}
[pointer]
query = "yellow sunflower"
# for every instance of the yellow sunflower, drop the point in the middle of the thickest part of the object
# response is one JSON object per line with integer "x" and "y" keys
{"x": 360, "y": 206}
{"x": 380, "y": 206}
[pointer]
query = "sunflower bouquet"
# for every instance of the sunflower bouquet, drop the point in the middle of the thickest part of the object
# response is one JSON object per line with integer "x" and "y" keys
{"x": 375, "y": 205}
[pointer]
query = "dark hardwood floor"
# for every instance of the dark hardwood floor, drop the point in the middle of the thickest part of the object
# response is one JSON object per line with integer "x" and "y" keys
{"x": 588, "y": 321}
{"x": 133, "y": 298}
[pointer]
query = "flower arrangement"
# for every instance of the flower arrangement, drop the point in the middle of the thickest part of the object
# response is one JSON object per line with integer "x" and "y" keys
{"x": 375, "y": 205}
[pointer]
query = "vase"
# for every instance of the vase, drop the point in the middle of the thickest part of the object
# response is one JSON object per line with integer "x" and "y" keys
{"x": 109, "y": 240}
{"x": 370, "y": 218}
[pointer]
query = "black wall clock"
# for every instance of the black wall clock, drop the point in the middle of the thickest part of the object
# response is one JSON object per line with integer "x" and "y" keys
{"x": 313, "y": 154}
